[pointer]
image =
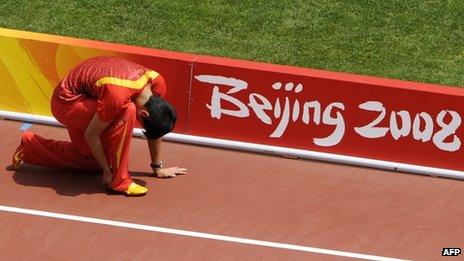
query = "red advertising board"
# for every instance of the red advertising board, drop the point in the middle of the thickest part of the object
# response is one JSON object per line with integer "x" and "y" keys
{"x": 284, "y": 106}
{"x": 31, "y": 65}
{"x": 322, "y": 111}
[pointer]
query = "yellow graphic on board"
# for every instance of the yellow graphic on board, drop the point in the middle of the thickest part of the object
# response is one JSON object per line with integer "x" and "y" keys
{"x": 30, "y": 70}
{"x": 23, "y": 72}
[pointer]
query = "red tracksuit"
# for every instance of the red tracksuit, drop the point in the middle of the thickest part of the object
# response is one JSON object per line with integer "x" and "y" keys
{"x": 106, "y": 86}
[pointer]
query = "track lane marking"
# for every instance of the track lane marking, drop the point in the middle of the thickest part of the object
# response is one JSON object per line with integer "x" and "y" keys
{"x": 25, "y": 126}
{"x": 194, "y": 234}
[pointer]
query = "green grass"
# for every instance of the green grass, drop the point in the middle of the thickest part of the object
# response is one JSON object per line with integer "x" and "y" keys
{"x": 415, "y": 40}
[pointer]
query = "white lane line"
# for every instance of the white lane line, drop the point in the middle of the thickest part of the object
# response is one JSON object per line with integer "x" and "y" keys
{"x": 193, "y": 234}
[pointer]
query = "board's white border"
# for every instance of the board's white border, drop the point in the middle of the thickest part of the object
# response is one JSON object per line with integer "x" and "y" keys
{"x": 274, "y": 150}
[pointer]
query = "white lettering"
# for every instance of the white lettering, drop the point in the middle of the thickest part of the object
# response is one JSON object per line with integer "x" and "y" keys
{"x": 279, "y": 131}
{"x": 317, "y": 112}
{"x": 296, "y": 111}
{"x": 223, "y": 102}
{"x": 259, "y": 108}
{"x": 446, "y": 131}
{"x": 215, "y": 106}
{"x": 426, "y": 134}
{"x": 277, "y": 109}
{"x": 276, "y": 86}
{"x": 339, "y": 122}
{"x": 237, "y": 84}
{"x": 217, "y": 110}
{"x": 405, "y": 122}
{"x": 370, "y": 130}
{"x": 289, "y": 86}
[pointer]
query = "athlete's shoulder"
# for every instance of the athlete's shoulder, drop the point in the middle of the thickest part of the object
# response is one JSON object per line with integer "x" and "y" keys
{"x": 159, "y": 85}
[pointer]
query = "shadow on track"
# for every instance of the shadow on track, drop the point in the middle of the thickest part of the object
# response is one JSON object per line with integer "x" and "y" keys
{"x": 69, "y": 183}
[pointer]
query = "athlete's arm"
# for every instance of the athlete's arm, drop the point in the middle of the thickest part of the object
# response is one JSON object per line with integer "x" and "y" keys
{"x": 154, "y": 145}
{"x": 92, "y": 135}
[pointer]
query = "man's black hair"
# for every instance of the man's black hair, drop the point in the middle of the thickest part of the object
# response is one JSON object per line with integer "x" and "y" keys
{"x": 161, "y": 120}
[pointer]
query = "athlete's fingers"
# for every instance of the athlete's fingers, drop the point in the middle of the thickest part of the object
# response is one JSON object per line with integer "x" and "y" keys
{"x": 181, "y": 171}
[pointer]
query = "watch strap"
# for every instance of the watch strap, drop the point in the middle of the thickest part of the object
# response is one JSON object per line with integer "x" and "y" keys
{"x": 156, "y": 165}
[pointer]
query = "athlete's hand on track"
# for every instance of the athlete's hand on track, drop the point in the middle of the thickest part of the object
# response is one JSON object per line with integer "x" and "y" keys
{"x": 169, "y": 172}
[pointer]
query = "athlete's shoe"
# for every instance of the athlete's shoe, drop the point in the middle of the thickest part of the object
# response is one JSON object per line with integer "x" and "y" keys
{"x": 135, "y": 189}
{"x": 17, "y": 159}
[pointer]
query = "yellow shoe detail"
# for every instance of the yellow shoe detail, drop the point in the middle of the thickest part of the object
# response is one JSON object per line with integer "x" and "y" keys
{"x": 17, "y": 158}
{"x": 135, "y": 189}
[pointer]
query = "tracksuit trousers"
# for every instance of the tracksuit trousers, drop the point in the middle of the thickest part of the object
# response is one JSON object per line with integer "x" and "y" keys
{"x": 76, "y": 115}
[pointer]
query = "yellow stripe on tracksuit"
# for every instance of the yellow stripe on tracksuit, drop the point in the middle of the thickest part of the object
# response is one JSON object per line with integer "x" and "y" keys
{"x": 120, "y": 146}
{"x": 132, "y": 84}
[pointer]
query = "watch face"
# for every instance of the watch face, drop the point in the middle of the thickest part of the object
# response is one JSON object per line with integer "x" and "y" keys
{"x": 156, "y": 166}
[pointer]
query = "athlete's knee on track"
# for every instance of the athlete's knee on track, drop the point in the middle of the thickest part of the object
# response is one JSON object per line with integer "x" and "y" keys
{"x": 26, "y": 137}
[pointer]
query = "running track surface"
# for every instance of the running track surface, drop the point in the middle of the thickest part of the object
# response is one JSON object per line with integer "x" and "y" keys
{"x": 228, "y": 193}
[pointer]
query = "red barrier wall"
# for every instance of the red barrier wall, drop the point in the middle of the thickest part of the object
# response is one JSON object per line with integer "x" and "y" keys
{"x": 31, "y": 65}
{"x": 269, "y": 104}
{"x": 328, "y": 112}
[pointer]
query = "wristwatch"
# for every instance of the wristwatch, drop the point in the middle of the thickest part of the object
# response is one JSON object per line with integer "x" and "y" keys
{"x": 156, "y": 165}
